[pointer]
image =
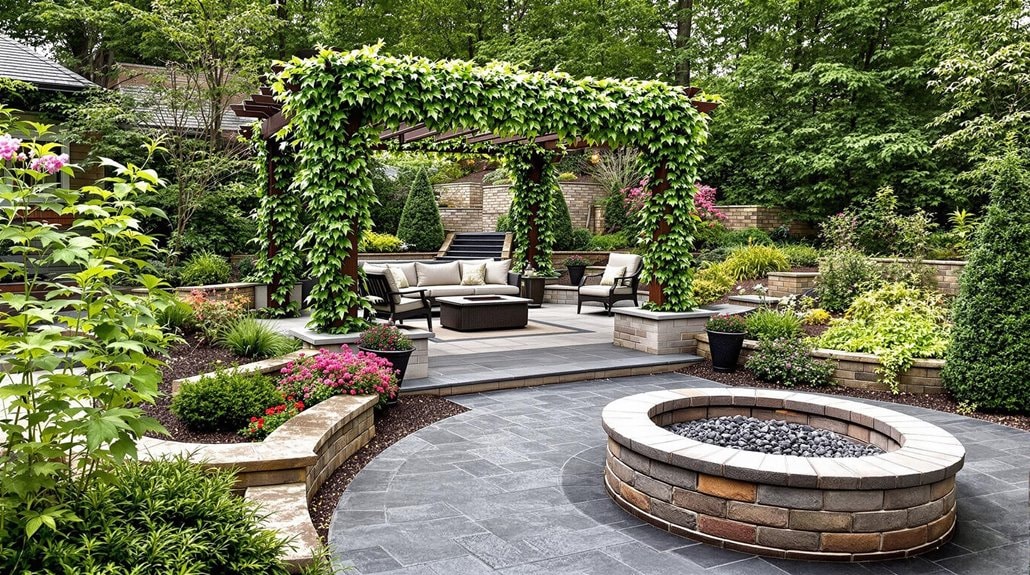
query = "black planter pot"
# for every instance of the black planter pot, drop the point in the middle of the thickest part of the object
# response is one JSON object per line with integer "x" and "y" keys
{"x": 399, "y": 359}
{"x": 725, "y": 350}
{"x": 576, "y": 274}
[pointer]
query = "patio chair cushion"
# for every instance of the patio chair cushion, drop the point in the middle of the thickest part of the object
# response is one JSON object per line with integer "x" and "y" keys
{"x": 450, "y": 290}
{"x": 399, "y": 277}
{"x": 494, "y": 289}
{"x": 473, "y": 275}
{"x": 611, "y": 273}
{"x": 632, "y": 262}
{"x": 603, "y": 291}
{"x": 497, "y": 272}
{"x": 438, "y": 274}
{"x": 409, "y": 271}
{"x": 405, "y": 304}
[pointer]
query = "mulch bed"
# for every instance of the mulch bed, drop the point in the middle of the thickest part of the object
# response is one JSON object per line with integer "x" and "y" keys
{"x": 936, "y": 401}
{"x": 185, "y": 360}
{"x": 412, "y": 413}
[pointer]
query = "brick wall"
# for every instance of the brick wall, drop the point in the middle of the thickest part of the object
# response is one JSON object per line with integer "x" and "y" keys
{"x": 790, "y": 283}
{"x": 459, "y": 194}
{"x": 946, "y": 272}
{"x": 740, "y": 217}
{"x": 462, "y": 219}
{"x": 496, "y": 200}
{"x": 492, "y": 201}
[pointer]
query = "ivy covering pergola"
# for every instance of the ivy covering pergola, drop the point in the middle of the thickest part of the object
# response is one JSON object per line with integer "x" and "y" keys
{"x": 330, "y": 112}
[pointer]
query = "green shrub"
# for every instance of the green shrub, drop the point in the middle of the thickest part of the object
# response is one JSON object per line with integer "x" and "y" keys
{"x": 205, "y": 269}
{"x": 772, "y": 324}
{"x": 711, "y": 234}
{"x": 989, "y": 354}
{"x": 800, "y": 255}
{"x": 250, "y": 338}
{"x": 616, "y": 214}
{"x": 420, "y": 225}
{"x": 715, "y": 255}
{"x": 788, "y": 361}
{"x": 711, "y": 283}
{"x": 746, "y": 236}
{"x": 504, "y": 223}
{"x": 895, "y": 322}
{"x": 755, "y": 261}
{"x": 843, "y": 275}
{"x": 608, "y": 242}
{"x": 168, "y": 516}
{"x": 563, "y": 226}
{"x": 225, "y": 402}
{"x": 178, "y": 317}
{"x": 213, "y": 315}
{"x": 580, "y": 239}
{"x": 379, "y": 243}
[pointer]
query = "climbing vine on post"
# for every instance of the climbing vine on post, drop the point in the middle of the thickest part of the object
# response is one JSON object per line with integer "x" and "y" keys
{"x": 279, "y": 228}
{"x": 542, "y": 193}
{"x": 338, "y": 103}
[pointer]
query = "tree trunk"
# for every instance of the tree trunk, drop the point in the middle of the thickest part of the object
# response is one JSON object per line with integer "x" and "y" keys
{"x": 684, "y": 28}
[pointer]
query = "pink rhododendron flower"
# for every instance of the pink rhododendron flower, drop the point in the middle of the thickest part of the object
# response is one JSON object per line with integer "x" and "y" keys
{"x": 9, "y": 147}
{"x": 50, "y": 163}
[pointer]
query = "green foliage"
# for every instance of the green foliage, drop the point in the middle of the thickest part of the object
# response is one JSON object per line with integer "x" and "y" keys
{"x": 205, "y": 269}
{"x": 608, "y": 242}
{"x": 279, "y": 226}
{"x": 225, "y": 402}
{"x": 212, "y": 315}
{"x": 843, "y": 275}
{"x": 817, "y": 316}
{"x": 581, "y": 238}
{"x": 563, "y": 240}
{"x": 746, "y": 237}
{"x": 373, "y": 242}
{"x": 755, "y": 261}
{"x": 788, "y": 361}
{"x": 81, "y": 359}
{"x": 249, "y": 337}
{"x": 543, "y": 197}
{"x": 895, "y": 322}
{"x": 800, "y": 255}
{"x": 767, "y": 323}
{"x": 178, "y": 317}
{"x": 169, "y": 516}
{"x": 989, "y": 354}
{"x": 711, "y": 283}
{"x": 724, "y": 323}
{"x": 883, "y": 230}
{"x": 420, "y": 226}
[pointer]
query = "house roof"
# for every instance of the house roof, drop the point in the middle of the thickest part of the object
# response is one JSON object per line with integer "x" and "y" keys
{"x": 19, "y": 62}
{"x": 158, "y": 115}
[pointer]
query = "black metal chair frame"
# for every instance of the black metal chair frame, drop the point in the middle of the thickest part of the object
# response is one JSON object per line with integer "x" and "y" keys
{"x": 377, "y": 286}
{"x": 630, "y": 281}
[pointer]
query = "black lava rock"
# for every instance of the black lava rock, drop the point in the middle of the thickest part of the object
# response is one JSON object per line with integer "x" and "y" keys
{"x": 776, "y": 437}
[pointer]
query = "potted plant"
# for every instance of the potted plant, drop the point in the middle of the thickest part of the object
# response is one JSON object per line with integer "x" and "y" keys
{"x": 576, "y": 266}
{"x": 725, "y": 338}
{"x": 390, "y": 343}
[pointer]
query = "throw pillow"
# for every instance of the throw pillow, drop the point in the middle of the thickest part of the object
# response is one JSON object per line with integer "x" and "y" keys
{"x": 473, "y": 275}
{"x": 438, "y": 274}
{"x": 611, "y": 273}
{"x": 399, "y": 277}
{"x": 497, "y": 272}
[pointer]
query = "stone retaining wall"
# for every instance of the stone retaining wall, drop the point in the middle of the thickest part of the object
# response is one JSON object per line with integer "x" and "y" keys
{"x": 739, "y": 217}
{"x": 888, "y": 506}
{"x": 945, "y": 272}
{"x": 245, "y": 290}
{"x": 462, "y": 219}
{"x": 474, "y": 207}
{"x": 856, "y": 370}
{"x": 788, "y": 283}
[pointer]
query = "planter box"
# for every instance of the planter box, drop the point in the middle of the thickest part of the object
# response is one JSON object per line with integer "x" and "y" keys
{"x": 661, "y": 333}
{"x": 857, "y": 370}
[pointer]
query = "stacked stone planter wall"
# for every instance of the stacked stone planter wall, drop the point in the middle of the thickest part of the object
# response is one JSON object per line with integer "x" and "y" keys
{"x": 739, "y": 217}
{"x": 898, "y": 504}
{"x": 659, "y": 333}
{"x": 789, "y": 283}
{"x": 857, "y": 370}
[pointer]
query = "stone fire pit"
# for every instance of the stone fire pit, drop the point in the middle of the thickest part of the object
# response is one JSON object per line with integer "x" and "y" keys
{"x": 897, "y": 504}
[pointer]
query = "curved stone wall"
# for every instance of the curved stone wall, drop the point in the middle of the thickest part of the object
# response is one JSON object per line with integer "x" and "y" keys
{"x": 897, "y": 504}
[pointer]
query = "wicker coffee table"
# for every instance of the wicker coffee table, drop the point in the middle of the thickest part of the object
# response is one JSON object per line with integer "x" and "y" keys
{"x": 481, "y": 312}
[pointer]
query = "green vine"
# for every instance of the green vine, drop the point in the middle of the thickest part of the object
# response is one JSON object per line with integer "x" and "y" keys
{"x": 280, "y": 216}
{"x": 338, "y": 102}
{"x": 525, "y": 193}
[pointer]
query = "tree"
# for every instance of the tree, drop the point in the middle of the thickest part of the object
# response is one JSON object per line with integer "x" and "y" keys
{"x": 420, "y": 222}
{"x": 988, "y": 363}
{"x": 563, "y": 224}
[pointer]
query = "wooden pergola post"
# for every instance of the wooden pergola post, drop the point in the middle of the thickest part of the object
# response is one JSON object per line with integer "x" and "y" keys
{"x": 536, "y": 172}
{"x": 656, "y": 291}
{"x": 349, "y": 267}
{"x": 274, "y": 157}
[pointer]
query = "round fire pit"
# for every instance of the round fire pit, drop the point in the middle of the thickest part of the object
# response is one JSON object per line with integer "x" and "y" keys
{"x": 897, "y": 504}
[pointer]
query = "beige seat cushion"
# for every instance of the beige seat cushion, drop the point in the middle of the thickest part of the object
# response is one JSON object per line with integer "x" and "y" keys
{"x": 496, "y": 289}
{"x": 399, "y": 277}
{"x": 473, "y": 274}
{"x": 603, "y": 291}
{"x": 409, "y": 272}
{"x": 497, "y": 272}
{"x": 405, "y": 304}
{"x": 438, "y": 274}
{"x": 612, "y": 273}
{"x": 444, "y": 291}
{"x": 631, "y": 261}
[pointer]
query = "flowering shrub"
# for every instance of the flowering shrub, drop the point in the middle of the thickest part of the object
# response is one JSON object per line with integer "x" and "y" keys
{"x": 704, "y": 201}
{"x": 385, "y": 337}
{"x": 636, "y": 196}
{"x": 788, "y": 361}
{"x": 317, "y": 377}
{"x": 214, "y": 316}
{"x": 261, "y": 426}
{"x": 725, "y": 323}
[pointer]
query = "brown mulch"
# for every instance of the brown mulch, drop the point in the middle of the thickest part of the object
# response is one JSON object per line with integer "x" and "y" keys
{"x": 185, "y": 360}
{"x": 936, "y": 401}
{"x": 412, "y": 412}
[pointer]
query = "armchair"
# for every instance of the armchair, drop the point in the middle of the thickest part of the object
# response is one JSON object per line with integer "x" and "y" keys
{"x": 390, "y": 303}
{"x": 623, "y": 287}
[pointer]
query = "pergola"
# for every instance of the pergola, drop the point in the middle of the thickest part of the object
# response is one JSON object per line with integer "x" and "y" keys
{"x": 321, "y": 109}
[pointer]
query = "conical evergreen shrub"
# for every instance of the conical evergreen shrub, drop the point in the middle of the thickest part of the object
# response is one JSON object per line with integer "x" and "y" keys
{"x": 562, "y": 225}
{"x": 988, "y": 363}
{"x": 420, "y": 224}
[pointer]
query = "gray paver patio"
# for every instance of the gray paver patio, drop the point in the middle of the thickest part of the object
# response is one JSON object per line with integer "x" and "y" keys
{"x": 514, "y": 486}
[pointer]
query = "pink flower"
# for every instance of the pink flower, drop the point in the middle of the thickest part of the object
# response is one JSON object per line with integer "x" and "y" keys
{"x": 50, "y": 163}
{"x": 9, "y": 147}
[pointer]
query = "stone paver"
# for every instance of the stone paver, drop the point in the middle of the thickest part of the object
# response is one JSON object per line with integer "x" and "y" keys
{"x": 514, "y": 486}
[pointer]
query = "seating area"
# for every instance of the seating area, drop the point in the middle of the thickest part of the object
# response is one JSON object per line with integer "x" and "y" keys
{"x": 618, "y": 282}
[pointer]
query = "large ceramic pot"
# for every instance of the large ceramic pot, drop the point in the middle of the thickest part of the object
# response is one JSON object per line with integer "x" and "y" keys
{"x": 576, "y": 274}
{"x": 725, "y": 349}
{"x": 399, "y": 359}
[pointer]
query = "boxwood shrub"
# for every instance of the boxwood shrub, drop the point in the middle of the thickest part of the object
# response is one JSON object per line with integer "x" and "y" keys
{"x": 988, "y": 361}
{"x": 225, "y": 402}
